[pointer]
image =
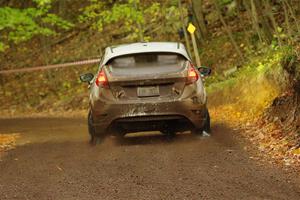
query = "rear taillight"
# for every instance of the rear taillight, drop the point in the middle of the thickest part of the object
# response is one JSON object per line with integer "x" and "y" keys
{"x": 192, "y": 75}
{"x": 101, "y": 80}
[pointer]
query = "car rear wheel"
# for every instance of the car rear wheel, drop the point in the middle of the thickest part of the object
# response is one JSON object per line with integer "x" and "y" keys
{"x": 94, "y": 138}
{"x": 206, "y": 127}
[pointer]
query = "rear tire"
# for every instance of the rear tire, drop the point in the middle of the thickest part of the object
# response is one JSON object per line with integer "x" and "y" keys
{"x": 206, "y": 126}
{"x": 94, "y": 138}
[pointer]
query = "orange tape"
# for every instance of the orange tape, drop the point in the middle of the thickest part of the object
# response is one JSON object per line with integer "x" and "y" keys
{"x": 46, "y": 67}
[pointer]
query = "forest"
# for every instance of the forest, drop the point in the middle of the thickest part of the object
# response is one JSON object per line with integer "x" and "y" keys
{"x": 251, "y": 45}
{"x": 242, "y": 143}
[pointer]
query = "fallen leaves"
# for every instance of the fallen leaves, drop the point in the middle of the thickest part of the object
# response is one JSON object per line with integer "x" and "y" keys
{"x": 59, "y": 168}
{"x": 274, "y": 139}
{"x": 8, "y": 141}
{"x": 230, "y": 114}
{"x": 296, "y": 151}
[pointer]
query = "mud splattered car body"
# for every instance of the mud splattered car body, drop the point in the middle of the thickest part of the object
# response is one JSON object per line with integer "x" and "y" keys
{"x": 146, "y": 87}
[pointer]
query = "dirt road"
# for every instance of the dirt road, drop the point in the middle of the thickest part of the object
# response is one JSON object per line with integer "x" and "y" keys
{"x": 54, "y": 161}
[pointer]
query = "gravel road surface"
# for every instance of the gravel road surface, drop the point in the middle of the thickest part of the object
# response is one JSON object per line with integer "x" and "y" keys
{"x": 53, "y": 160}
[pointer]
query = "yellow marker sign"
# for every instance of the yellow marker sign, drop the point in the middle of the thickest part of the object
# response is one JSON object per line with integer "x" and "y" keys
{"x": 191, "y": 28}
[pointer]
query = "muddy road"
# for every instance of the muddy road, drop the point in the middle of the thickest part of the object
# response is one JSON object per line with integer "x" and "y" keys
{"x": 53, "y": 160}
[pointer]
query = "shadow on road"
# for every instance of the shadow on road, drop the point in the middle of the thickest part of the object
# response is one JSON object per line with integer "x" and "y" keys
{"x": 220, "y": 133}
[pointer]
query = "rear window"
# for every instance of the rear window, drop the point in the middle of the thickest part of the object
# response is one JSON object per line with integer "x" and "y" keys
{"x": 148, "y": 60}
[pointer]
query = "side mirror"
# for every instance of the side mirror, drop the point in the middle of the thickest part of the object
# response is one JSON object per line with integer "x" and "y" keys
{"x": 86, "y": 78}
{"x": 204, "y": 71}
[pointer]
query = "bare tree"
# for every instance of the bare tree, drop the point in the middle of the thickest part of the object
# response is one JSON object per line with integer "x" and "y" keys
{"x": 228, "y": 31}
{"x": 62, "y": 7}
{"x": 291, "y": 11}
{"x": 183, "y": 25}
{"x": 269, "y": 12}
{"x": 199, "y": 15}
{"x": 287, "y": 21}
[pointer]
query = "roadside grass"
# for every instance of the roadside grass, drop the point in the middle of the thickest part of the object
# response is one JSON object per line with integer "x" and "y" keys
{"x": 242, "y": 98}
{"x": 252, "y": 87}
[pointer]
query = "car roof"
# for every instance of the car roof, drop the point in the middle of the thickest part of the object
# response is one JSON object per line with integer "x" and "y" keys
{"x": 144, "y": 47}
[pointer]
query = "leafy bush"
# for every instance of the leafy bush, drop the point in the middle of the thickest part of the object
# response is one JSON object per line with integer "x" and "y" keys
{"x": 134, "y": 18}
{"x": 18, "y": 25}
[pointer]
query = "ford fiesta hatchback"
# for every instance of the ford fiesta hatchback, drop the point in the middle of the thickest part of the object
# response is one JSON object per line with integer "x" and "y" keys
{"x": 146, "y": 87}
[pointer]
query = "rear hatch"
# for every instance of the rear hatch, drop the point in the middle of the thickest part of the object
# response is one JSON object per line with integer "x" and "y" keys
{"x": 147, "y": 75}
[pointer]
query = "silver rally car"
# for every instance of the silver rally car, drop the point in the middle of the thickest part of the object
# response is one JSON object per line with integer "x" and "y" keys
{"x": 147, "y": 87}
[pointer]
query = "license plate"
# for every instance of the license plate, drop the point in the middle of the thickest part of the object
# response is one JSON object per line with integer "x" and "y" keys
{"x": 152, "y": 91}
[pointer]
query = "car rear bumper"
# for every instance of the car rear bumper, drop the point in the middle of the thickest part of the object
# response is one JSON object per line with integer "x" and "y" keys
{"x": 104, "y": 114}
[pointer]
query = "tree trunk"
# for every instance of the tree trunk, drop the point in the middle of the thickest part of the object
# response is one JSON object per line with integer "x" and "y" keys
{"x": 240, "y": 5}
{"x": 263, "y": 21}
{"x": 140, "y": 31}
{"x": 260, "y": 22}
{"x": 194, "y": 21}
{"x": 287, "y": 21}
{"x": 62, "y": 8}
{"x": 199, "y": 15}
{"x": 244, "y": 27}
{"x": 254, "y": 17}
{"x": 269, "y": 12}
{"x": 2, "y": 84}
{"x": 228, "y": 31}
{"x": 183, "y": 25}
{"x": 291, "y": 10}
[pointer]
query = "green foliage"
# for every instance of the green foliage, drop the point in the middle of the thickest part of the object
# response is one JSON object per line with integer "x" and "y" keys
{"x": 132, "y": 16}
{"x": 18, "y": 25}
{"x": 267, "y": 65}
{"x": 224, "y": 2}
{"x": 2, "y": 46}
{"x": 43, "y": 3}
{"x": 54, "y": 20}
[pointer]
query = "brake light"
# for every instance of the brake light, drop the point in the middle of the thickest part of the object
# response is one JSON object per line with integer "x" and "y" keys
{"x": 101, "y": 80}
{"x": 192, "y": 75}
